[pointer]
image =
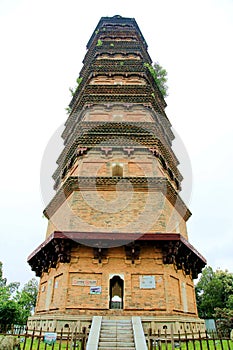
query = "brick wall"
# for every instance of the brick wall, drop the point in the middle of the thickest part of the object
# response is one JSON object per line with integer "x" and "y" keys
{"x": 68, "y": 288}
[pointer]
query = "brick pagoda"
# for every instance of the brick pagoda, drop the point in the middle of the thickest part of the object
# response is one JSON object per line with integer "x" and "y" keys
{"x": 116, "y": 243}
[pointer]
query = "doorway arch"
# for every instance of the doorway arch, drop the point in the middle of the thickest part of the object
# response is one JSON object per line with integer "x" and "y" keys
{"x": 116, "y": 292}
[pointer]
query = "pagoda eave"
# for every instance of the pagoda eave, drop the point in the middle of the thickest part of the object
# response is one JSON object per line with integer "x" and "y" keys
{"x": 57, "y": 248}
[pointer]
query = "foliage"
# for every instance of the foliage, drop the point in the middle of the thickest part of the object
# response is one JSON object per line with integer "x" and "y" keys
{"x": 16, "y": 305}
{"x": 9, "y": 313}
{"x": 214, "y": 290}
{"x": 73, "y": 90}
{"x": 160, "y": 77}
{"x": 224, "y": 320}
{"x": 99, "y": 42}
{"x": 68, "y": 110}
{"x": 2, "y": 280}
{"x": 27, "y": 300}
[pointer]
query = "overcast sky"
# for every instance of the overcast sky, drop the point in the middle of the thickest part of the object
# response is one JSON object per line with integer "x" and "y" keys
{"x": 42, "y": 47}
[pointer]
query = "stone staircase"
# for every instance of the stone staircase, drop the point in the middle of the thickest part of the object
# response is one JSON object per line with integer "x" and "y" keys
{"x": 116, "y": 334}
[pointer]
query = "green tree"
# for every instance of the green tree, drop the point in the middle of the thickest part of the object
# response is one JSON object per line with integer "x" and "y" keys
{"x": 6, "y": 290}
{"x": 2, "y": 280}
{"x": 9, "y": 314}
{"x": 26, "y": 300}
{"x": 160, "y": 76}
{"x": 16, "y": 305}
{"x": 214, "y": 290}
{"x": 9, "y": 310}
{"x": 224, "y": 320}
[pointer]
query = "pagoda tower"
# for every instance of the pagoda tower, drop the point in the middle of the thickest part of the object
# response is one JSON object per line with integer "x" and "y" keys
{"x": 116, "y": 243}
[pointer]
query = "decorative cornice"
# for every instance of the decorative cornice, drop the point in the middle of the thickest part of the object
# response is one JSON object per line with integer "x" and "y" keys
{"x": 175, "y": 248}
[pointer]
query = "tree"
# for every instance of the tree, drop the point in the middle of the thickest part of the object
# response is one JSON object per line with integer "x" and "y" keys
{"x": 214, "y": 290}
{"x": 16, "y": 305}
{"x": 27, "y": 300}
{"x": 9, "y": 314}
{"x": 224, "y": 320}
{"x": 160, "y": 77}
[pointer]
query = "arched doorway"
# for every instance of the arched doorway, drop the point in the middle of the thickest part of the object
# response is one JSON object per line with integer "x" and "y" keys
{"x": 116, "y": 291}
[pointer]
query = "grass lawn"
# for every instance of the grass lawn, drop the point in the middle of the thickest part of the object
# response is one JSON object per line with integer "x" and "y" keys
{"x": 212, "y": 346}
{"x": 43, "y": 346}
{"x": 64, "y": 345}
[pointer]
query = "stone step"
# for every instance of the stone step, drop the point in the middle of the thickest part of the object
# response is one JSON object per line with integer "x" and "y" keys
{"x": 109, "y": 335}
{"x": 119, "y": 335}
{"x": 116, "y": 324}
{"x": 116, "y": 334}
{"x": 116, "y": 321}
{"x": 115, "y": 348}
{"x": 129, "y": 326}
{"x": 107, "y": 331}
{"x": 114, "y": 329}
{"x": 121, "y": 326}
{"x": 111, "y": 344}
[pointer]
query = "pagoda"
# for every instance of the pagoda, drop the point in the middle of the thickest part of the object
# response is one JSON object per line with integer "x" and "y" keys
{"x": 117, "y": 243}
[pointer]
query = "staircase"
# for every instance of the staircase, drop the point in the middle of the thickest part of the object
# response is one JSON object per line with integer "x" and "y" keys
{"x": 116, "y": 334}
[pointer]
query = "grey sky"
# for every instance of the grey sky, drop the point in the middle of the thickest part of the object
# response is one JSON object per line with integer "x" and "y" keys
{"x": 43, "y": 44}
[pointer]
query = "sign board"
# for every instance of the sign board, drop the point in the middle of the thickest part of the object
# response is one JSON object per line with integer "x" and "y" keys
{"x": 147, "y": 282}
{"x": 50, "y": 338}
{"x": 95, "y": 290}
{"x": 83, "y": 283}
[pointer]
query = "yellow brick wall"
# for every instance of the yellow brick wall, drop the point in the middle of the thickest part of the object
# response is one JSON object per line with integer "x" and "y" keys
{"x": 70, "y": 284}
{"x": 118, "y": 113}
{"x": 91, "y": 211}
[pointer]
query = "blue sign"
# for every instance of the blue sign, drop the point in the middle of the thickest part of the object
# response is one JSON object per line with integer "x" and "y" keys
{"x": 50, "y": 338}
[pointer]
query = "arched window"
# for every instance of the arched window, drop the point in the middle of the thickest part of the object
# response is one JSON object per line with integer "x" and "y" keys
{"x": 116, "y": 289}
{"x": 117, "y": 169}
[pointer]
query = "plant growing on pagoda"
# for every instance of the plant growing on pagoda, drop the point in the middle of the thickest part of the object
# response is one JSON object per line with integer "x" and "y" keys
{"x": 159, "y": 75}
{"x": 99, "y": 42}
{"x": 68, "y": 110}
{"x": 74, "y": 90}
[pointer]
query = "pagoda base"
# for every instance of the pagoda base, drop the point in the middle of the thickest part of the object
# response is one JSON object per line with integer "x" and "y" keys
{"x": 182, "y": 324}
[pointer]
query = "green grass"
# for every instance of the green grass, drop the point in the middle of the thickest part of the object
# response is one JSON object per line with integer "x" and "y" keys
{"x": 43, "y": 346}
{"x": 198, "y": 346}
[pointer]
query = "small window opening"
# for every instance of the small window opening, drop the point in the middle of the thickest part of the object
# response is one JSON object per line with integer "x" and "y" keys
{"x": 117, "y": 169}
